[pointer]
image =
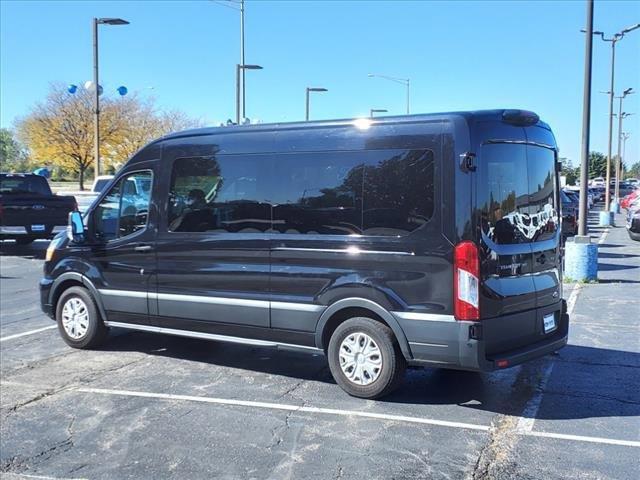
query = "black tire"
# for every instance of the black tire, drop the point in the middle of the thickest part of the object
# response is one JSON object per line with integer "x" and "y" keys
{"x": 393, "y": 361}
{"x": 96, "y": 330}
{"x": 24, "y": 240}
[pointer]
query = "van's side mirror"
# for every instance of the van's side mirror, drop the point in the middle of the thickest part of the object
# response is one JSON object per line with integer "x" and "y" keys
{"x": 76, "y": 227}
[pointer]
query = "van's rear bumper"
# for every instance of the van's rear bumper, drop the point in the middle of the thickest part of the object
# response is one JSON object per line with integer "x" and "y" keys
{"x": 487, "y": 345}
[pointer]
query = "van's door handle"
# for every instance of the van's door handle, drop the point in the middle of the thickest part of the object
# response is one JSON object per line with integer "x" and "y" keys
{"x": 143, "y": 248}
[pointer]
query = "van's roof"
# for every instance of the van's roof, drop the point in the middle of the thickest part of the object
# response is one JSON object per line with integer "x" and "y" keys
{"x": 477, "y": 115}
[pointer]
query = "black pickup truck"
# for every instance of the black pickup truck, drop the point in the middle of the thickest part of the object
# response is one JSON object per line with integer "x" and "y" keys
{"x": 29, "y": 210}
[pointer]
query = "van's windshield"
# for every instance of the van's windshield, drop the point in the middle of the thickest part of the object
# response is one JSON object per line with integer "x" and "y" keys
{"x": 517, "y": 193}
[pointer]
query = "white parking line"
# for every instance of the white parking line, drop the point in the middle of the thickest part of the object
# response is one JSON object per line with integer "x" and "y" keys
{"x": 346, "y": 413}
{"x": 603, "y": 237}
{"x": 30, "y": 332}
{"x": 528, "y": 416}
{"x": 571, "y": 301}
{"x": 530, "y": 412}
{"x": 40, "y": 477}
{"x": 580, "y": 438}
{"x": 280, "y": 406}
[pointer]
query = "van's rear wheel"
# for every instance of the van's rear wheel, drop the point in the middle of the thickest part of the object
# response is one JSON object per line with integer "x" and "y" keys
{"x": 79, "y": 322}
{"x": 365, "y": 359}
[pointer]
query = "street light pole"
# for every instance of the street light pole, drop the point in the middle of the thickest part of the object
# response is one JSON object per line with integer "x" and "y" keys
{"x": 614, "y": 39}
{"x": 244, "y": 95}
{"x": 240, "y": 71}
{"x": 96, "y": 85}
{"x": 404, "y": 81}
{"x": 308, "y": 91}
{"x": 96, "y": 100}
{"x": 625, "y": 136}
{"x": 586, "y": 124}
{"x": 621, "y": 116}
{"x": 238, "y": 68}
{"x": 608, "y": 185}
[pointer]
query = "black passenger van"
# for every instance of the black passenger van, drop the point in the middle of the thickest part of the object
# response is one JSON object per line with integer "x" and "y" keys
{"x": 429, "y": 240}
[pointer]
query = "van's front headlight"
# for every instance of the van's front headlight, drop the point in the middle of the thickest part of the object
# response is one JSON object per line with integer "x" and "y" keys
{"x": 53, "y": 245}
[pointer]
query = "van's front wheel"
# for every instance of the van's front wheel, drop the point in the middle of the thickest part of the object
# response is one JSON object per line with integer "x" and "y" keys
{"x": 79, "y": 322}
{"x": 365, "y": 359}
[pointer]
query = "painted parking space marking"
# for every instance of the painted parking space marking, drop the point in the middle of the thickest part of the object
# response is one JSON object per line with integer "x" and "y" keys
{"x": 580, "y": 438}
{"x": 287, "y": 407}
{"x": 346, "y": 413}
{"x": 530, "y": 412}
{"x": 24, "y": 334}
{"x": 603, "y": 237}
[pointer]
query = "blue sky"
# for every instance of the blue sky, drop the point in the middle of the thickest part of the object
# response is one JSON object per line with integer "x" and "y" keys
{"x": 458, "y": 55}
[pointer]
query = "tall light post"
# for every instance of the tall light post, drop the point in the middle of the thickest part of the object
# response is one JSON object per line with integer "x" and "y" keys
{"x": 240, "y": 69}
{"x": 377, "y": 110}
{"x": 613, "y": 40}
{"x": 239, "y": 6}
{"x": 581, "y": 256}
{"x": 586, "y": 126}
{"x": 309, "y": 90}
{"x": 625, "y": 136}
{"x": 96, "y": 85}
{"x": 403, "y": 81}
{"x": 621, "y": 116}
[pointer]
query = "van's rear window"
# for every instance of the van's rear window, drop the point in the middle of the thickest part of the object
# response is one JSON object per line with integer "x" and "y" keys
{"x": 517, "y": 193}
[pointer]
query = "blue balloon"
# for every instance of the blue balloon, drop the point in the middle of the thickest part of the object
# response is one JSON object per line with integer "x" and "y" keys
{"x": 72, "y": 88}
{"x": 43, "y": 172}
{"x": 122, "y": 90}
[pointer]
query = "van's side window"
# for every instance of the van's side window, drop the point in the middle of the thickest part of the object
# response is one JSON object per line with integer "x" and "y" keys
{"x": 125, "y": 209}
{"x": 371, "y": 192}
{"x": 219, "y": 194}
{"x": 318, "y": 193}
{"x": 398, "y": 191}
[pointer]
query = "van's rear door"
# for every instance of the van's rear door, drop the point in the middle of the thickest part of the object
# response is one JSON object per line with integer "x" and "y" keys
{"x": 517, "y": 205}
{"x": 545, "y": 241}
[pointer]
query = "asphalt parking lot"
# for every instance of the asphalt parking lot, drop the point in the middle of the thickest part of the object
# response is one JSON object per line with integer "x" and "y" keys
{"x": 151, "y": 406}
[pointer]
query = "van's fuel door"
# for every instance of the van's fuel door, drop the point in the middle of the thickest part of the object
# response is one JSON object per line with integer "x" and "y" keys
{"x": 468, "y": 162}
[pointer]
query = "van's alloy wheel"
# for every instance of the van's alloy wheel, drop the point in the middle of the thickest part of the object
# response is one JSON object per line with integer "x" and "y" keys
{"x": 79, "y": 321}
{"x": 75, "y": 318}
{"x": 365, "y": 358}
{"x": 360, "y": 358}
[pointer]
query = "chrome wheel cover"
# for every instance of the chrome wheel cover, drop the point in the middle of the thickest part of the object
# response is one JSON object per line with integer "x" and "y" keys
{"x": 75, "y": 318}
{"x": 360, "y": 358}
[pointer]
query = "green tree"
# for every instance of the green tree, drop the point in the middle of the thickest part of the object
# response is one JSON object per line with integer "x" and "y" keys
{"x": 13, "y": 156}
{"x": 634, "y": 170}
{"x": 569, "y": 171}
{"x": 597, "y": 165}
{"x": 59, "y": 129}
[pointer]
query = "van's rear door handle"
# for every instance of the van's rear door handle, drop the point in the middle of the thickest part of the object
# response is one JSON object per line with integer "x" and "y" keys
{"x": 143, "y": 248}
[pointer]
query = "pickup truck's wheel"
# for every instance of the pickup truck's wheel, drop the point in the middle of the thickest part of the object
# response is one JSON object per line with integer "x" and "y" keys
{"x": 365, "y": 358}
{"x": 79, "y": 322}
{"x": 25, "y": 240}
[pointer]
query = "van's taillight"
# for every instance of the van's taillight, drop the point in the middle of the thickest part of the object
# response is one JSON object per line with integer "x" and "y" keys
{"x": 466, "y": 279}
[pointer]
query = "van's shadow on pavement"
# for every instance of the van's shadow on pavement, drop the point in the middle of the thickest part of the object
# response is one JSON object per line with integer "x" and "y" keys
{"x": 503, "y": 392}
